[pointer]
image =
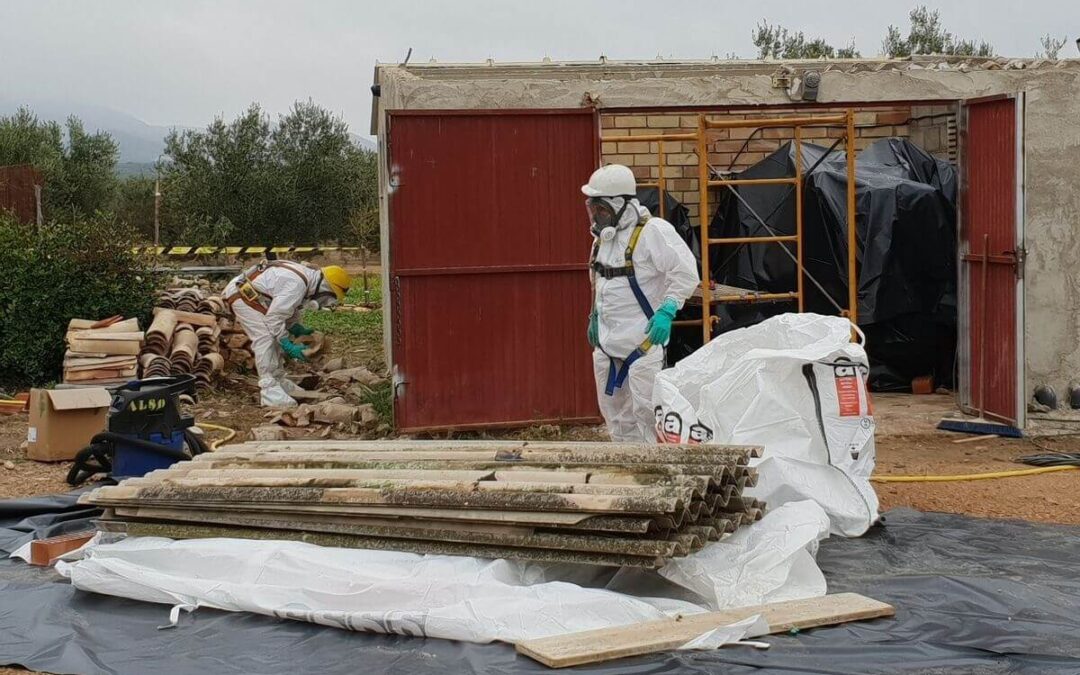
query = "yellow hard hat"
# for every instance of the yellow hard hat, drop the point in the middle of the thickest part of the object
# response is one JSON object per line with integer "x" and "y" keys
{"x": 339, "y": 280}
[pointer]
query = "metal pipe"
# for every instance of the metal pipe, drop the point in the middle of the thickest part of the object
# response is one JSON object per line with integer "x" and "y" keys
{"x": 798, "y": 219}
{"x": 775, "y": 122}
{"x": 661, "y": 184}
{"x": 650, "y": 137}
{"x": 752, "y": 181}
{"x": 703, "y": 215}
{"x": 756, "y": 297}
{"x": 753, "y": 240}
{"x": 853, "y": 281}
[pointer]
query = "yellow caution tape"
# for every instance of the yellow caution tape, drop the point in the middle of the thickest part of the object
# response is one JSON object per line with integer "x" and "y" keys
{"x": 237, "y": 250}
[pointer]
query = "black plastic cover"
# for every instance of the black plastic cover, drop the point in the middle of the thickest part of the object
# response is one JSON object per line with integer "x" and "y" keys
{"x": 906, "y": 230}
{"x": 972, "y": 596}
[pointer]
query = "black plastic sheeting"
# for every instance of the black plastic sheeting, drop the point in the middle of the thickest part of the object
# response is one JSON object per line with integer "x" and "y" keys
{"x": 906, "y": 229}
{"x": 972, "y": 596}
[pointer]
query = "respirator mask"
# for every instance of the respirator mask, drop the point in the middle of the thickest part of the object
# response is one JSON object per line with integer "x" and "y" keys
{"x": 606, "y": 213}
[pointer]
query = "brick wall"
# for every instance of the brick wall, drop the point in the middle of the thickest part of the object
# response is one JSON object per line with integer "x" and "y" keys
{"x": 933, "y": 128}
{"x": 740, "y": 148}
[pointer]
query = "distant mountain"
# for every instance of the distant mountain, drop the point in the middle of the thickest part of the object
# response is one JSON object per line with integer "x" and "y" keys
{"x": 365, "y": 142}
{"x": 129, "y": 169}
{"x": 140, "y": 143}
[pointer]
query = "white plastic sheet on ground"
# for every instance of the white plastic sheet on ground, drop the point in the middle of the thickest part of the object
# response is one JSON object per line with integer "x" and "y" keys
{"x": 455, "y": 597}
{"x": 796, "y": 385}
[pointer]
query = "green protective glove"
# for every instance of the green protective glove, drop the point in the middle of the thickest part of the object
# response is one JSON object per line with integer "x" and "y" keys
{"x": 292, "y": 350}
{"x": 594, "y": 329}
{"x": 659, "y": 327}
{"x": 300, "y": 330}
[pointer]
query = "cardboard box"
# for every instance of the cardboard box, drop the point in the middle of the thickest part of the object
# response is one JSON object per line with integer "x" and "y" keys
{"x": 62, "y": 421}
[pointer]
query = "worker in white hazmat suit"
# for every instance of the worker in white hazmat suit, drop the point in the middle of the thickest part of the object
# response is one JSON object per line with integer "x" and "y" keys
{"x": 642, "y": 273}
{"x": 267, "y": 301}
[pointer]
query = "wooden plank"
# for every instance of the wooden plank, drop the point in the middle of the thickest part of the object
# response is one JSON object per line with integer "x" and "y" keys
{"x": 606, "y": 644}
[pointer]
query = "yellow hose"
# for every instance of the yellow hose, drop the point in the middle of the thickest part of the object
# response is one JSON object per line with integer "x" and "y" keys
{"x": 971, "y": 476}
{"x": 218, "y": 427}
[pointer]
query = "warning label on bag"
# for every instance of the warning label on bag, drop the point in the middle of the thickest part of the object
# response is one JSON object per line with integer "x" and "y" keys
{"x": 847, "y": 390}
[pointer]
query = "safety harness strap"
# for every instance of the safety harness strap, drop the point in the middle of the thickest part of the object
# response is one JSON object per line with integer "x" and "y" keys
{"x": 249, "y": 295}
{"x": 617, "y": 375}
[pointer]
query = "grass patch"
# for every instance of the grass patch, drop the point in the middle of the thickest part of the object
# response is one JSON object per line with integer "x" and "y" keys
{"x": 356, "y": 336}
{"x": 382, "y": 398}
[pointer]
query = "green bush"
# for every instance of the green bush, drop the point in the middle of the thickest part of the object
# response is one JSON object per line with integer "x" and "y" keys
{"x": 63, "y": 270}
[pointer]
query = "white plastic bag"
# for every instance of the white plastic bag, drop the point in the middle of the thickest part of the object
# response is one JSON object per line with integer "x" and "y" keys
{"x": 456, "y": 598}
{"x": 771, "y": 561}
{"x": 796, "y": 385}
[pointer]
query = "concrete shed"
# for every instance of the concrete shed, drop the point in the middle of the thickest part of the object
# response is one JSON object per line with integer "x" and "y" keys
{"x": 485, "y": 241}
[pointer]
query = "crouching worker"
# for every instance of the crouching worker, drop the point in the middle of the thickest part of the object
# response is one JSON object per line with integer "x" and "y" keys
{"x": 267, "y": 300}
{"x": 642, "y": 273}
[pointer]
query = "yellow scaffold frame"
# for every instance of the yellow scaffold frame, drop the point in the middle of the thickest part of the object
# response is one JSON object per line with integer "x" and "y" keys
{"x": 705, "y": 181}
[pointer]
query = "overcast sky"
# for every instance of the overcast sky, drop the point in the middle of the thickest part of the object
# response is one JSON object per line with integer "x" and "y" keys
{"x": 186, "y": 62}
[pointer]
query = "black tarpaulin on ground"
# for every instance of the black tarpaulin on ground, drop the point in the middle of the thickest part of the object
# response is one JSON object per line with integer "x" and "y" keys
{"x": 972, "y": 596}
{"x": 906, "y": 229}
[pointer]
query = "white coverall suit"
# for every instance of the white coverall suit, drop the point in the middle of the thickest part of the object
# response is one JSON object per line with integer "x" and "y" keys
{"x": 284, "y": 290}
{"x": 664, "y": 268}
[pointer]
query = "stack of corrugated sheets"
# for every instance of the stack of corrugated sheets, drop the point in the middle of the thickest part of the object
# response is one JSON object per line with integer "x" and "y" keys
{"x": 102, "y": 352}
{"x": 597, "y": 503}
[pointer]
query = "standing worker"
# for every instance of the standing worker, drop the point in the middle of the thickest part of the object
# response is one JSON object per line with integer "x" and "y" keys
{"x": 642, "y": 273}
{"x": 267, "y": 300}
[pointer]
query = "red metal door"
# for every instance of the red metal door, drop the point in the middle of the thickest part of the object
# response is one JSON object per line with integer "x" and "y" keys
{"x": 489, "y": 246}
{"x": 992, "y": 257}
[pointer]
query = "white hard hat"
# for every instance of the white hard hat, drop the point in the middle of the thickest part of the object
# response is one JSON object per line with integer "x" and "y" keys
{"x": 613, "y": 180}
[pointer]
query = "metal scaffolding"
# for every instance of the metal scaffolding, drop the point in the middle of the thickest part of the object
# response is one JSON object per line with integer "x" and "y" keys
{"x": 720, "y": 294}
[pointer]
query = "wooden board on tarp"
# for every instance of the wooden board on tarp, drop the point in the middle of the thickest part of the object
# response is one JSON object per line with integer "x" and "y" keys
{"x": 606, "y": 644}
